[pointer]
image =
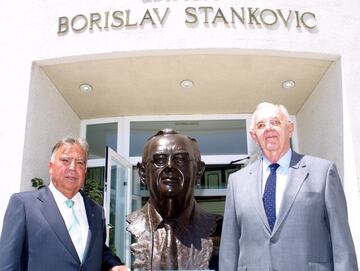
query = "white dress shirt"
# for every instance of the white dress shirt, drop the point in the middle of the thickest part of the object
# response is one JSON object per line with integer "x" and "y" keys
{"x": 66, "y": 213}
{"x": 282, "y": 174}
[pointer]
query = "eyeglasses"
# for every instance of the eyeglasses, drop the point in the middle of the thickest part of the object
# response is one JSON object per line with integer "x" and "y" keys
{"x": 162, "y": 159}
{"x": 270, "y": 122}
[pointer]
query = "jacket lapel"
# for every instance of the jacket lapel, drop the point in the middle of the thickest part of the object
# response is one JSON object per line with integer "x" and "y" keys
{"x": 53, "y": 216}
{"x": 297, "y": 175}
{"x": 91, "y": 217}
{"x": 255, "y": 172}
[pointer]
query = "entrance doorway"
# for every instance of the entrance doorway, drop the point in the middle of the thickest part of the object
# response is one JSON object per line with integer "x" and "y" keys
{"x": 223, "y": 139}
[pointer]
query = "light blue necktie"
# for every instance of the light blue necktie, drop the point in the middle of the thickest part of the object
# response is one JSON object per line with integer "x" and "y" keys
{"x": 269, "y": 197}
{"x": 74, "y": 229}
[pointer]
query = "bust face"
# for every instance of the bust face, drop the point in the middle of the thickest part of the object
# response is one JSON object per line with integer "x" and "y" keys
{"x": 170, "y": 171}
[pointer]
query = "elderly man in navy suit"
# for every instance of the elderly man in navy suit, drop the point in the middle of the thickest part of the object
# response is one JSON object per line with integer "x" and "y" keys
{"x": 285, "y": 211}
{"x": 57, "y": 228}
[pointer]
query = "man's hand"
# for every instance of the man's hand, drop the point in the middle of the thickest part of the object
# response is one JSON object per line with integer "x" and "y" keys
{"x": 120, "y": 268}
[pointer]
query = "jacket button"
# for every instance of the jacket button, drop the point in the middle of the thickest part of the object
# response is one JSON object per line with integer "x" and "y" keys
{"x": 273, "y": 240}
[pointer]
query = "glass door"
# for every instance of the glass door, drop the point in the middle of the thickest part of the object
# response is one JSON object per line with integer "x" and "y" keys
{"x": 117, "y": 203}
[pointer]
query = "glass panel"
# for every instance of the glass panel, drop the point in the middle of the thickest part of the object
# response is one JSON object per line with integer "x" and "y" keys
{"x": 99, "y": 136}
{"x": 96, "y": 174}
{"x": 95, "y": 183}
{"x": 216, "y": 176}
{"x": 214, "y": 205}
{"x": 215, "y": 137}
{"x": 117, "y": 202}
{"x": 117, "y": 208}
{"x": 136, "y": 191}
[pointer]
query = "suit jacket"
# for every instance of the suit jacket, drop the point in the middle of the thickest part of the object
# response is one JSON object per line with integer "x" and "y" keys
{"x": 35, "y": 238}
{"x": 311, "y": 231}
{"x": 192, "y": 232}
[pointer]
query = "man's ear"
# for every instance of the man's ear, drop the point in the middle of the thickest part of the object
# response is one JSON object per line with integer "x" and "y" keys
{"x": 50, "y": 168}
{"x": 253, "y": 136}
{"x": 291, "y": 128}
{"x": 141, "y": 171}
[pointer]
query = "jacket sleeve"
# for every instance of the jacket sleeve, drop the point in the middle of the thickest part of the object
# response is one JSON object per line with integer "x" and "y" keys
{"x": 344, "y": 256}
{"x": 12, "y": 240}
{"x": 109, "y": 259}
{"x": 230, "y": 235}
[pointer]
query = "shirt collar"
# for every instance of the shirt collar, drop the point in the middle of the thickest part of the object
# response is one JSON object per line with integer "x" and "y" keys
{"x": 284, "y": 161}
{"x": 60, "y": 198}
{"x": 156, "y": 219}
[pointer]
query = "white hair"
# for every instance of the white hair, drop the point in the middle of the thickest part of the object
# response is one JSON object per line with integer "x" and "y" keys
{"x": 70, "y": 141}
{"x": 260, "y": 106}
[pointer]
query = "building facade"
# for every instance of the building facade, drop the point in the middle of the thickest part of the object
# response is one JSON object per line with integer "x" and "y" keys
{"x": 46, "y": 45}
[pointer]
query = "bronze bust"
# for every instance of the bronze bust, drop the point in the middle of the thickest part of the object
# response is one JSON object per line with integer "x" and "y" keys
{"x": 171, "y": 231}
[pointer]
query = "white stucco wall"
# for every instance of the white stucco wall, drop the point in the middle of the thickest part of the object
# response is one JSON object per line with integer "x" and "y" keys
{"x": 351, "y": 179}
{"x": 15, "y": 67}
{"x": 49, "y": 118}
{"x": 320, "y": 120}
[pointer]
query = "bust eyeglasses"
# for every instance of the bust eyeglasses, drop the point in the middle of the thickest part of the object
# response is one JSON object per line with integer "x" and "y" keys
{"x": 163, "y": 159}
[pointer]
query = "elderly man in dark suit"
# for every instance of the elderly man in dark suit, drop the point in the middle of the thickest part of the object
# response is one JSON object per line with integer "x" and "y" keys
{"x": 57, "y": 228}
{"x": 285, "y": 211}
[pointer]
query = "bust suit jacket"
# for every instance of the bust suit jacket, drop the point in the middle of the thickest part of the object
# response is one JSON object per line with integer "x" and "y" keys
{"x": 193, "y": 235}
{"x": 311, "y": 231}
{"x": 35, "y": 238}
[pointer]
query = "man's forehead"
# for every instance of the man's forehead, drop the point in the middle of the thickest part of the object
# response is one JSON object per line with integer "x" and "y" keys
{"x": 268, "y": 112}
{"x": 70, "y": 149}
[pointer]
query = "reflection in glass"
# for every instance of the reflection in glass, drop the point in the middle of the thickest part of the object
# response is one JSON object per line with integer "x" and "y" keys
{"x": 117, "y": 208}
{"x": 99, "y": 136}
{"x": 215, "y": 137}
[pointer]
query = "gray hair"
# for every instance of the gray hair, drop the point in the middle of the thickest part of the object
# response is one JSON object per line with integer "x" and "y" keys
{"x": 260, "y": 106}
{"x": 71, "y": 141}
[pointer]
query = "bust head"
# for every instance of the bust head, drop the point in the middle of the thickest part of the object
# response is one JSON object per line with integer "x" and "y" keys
{"x": 171, "y": 165}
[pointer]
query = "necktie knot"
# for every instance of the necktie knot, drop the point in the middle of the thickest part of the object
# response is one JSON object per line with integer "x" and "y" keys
{"x": 273, "y": 167}
{"x": 69, "y": 203}
{"x": 170, "y": 224}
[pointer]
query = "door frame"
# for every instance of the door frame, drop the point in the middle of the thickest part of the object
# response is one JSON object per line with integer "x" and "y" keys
{"x": 112, "y": 155}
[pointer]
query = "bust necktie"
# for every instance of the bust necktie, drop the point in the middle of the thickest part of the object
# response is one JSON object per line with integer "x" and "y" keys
{"x": 169, "y": 253}
{"x": 269, "y": 197}
{"x": 74, "y": 229}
